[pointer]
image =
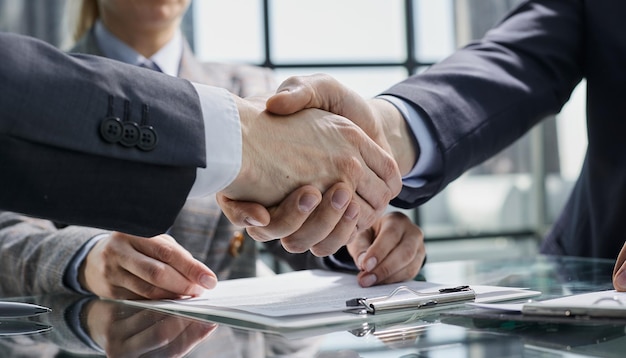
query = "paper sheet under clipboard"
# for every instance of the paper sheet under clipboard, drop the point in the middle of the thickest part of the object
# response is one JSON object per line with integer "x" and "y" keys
{"x": 303, "y": 299}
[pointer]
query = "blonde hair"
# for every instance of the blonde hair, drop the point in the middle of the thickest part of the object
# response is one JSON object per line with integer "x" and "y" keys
{"x": 87, "y": 16}
{"x": 82, "y": 15}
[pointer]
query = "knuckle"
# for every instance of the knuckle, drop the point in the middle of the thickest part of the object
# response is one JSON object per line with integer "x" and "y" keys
{"x": 164, "y": 252}
{"x": 149, "y": 291}
{"x": 351, "y": 166}
{"x": 155, "y": 273}
{"x": 321, "y": 250}
{"x": 408, "y": 256}
{"x": 293, "y": 245}
{"x": 383, "y": 271}
{"x": 259, "y": 234}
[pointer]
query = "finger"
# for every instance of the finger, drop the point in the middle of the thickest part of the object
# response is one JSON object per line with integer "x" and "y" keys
{"x": 343, "y": 232}
{"x": 172, "y": 262}
{"x": 120, "y": 292}
{"x": 243, "y": 213}
{"x": 390, "y": 270}
{"x": 149, "y": 277}
{"x": 358, "y": 248}
{"x": 382, "y": 180}
{"x": 322, "y": 221}
{"x": 289, "y": 216}
{"x": 619, "y": 272}
{"x": 396, "y": 254}
{"x": 134, "y": 287}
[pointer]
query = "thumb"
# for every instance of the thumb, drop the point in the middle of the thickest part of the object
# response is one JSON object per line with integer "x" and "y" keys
{"x": 289, "y": 99}
{"x": 619, "y": 272}
{"x": 243, "y": 213}
{"x": 359, "y": 247}
{"x": 314, "y": 91}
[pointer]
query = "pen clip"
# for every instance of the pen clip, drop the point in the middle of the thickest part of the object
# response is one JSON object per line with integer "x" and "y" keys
{"x": 455, "y": 289}
{"x": 415, "y": 300}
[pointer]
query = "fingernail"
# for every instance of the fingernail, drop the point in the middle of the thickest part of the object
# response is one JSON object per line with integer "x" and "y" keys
{"x": 368, "y": 280}
{"x": 370, "y": 264}
{"x": 208, "y": 281}
{"x": 352, "y": 211}
{"x": 251, "y": 222}
{"x": 307, "y": 203}
{"x": 340, "y": 198}
{"x": 359, "y": 261}
{"x": 620, "y": 280}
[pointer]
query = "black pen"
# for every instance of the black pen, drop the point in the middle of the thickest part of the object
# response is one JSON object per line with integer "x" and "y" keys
{"x": 20, "y": 309}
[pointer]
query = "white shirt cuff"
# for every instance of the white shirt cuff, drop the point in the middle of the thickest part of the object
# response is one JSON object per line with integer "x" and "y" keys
{"x": 223, "y": 142}
{"x": 429, "y": 161}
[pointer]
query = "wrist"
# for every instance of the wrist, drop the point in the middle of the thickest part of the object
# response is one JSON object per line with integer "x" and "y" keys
{"x": 404, "y": 148}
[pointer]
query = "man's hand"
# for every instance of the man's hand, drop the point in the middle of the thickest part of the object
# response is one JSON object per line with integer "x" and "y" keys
{"x": 124, "y": 266}
{"x": 289, "y": 220}
{"x": 295, "y": 222}
{"x": 378, "y": 118}
{"x": 392, "y": 250}
{"x": 619, "y": 272}
{"x": 311, "y": 147}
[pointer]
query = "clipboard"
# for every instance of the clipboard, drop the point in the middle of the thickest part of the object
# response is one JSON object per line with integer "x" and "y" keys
{"x": 404, "y": 298}
{"x": 315, "y": 300}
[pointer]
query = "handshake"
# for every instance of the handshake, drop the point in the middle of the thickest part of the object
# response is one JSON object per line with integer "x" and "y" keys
{"x": 319, "y": 168}
{"x": 316, "y": 136}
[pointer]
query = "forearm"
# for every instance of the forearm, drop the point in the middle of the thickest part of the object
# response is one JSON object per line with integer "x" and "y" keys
{"x": 51, "y": 132}
{"x": 35, "y": 254}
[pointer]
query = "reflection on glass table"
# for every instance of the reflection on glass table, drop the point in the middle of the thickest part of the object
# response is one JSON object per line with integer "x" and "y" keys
{"x": 87, "y": 326}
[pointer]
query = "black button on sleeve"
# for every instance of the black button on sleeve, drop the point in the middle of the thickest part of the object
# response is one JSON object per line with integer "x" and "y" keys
{"x": 148, "y": 138}
{"x": 130, "y": 135}
{"x": 111, "y": 129}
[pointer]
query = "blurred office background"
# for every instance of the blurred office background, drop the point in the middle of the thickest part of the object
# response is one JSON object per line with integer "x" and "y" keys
{"x": 502, "y": 207}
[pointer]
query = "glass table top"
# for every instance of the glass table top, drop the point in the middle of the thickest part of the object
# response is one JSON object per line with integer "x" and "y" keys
{"x": 80, "y": 326}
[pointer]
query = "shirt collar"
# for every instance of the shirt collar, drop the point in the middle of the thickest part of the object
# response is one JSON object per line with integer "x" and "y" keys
{"x": 167, "y": 58}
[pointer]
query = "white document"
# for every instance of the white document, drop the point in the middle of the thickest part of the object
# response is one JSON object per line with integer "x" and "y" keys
{"x": 303, "y": 299}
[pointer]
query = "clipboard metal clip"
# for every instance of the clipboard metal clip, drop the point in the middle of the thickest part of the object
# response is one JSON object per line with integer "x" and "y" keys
{"x": 405, "y": 298}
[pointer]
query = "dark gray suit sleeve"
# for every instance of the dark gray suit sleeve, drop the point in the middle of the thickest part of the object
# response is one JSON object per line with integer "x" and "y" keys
{"x": 56, "y": 159}
{"x": 488, "y": 94}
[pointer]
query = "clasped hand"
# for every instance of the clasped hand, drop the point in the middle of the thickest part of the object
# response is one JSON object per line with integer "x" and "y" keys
{"x": 317, "y": 148}
{"x": 306, "y": 219}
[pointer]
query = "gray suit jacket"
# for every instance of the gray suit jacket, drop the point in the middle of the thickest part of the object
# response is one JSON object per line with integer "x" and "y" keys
{"x": 28, "y": 267}
{"x": 54, "y": 159}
